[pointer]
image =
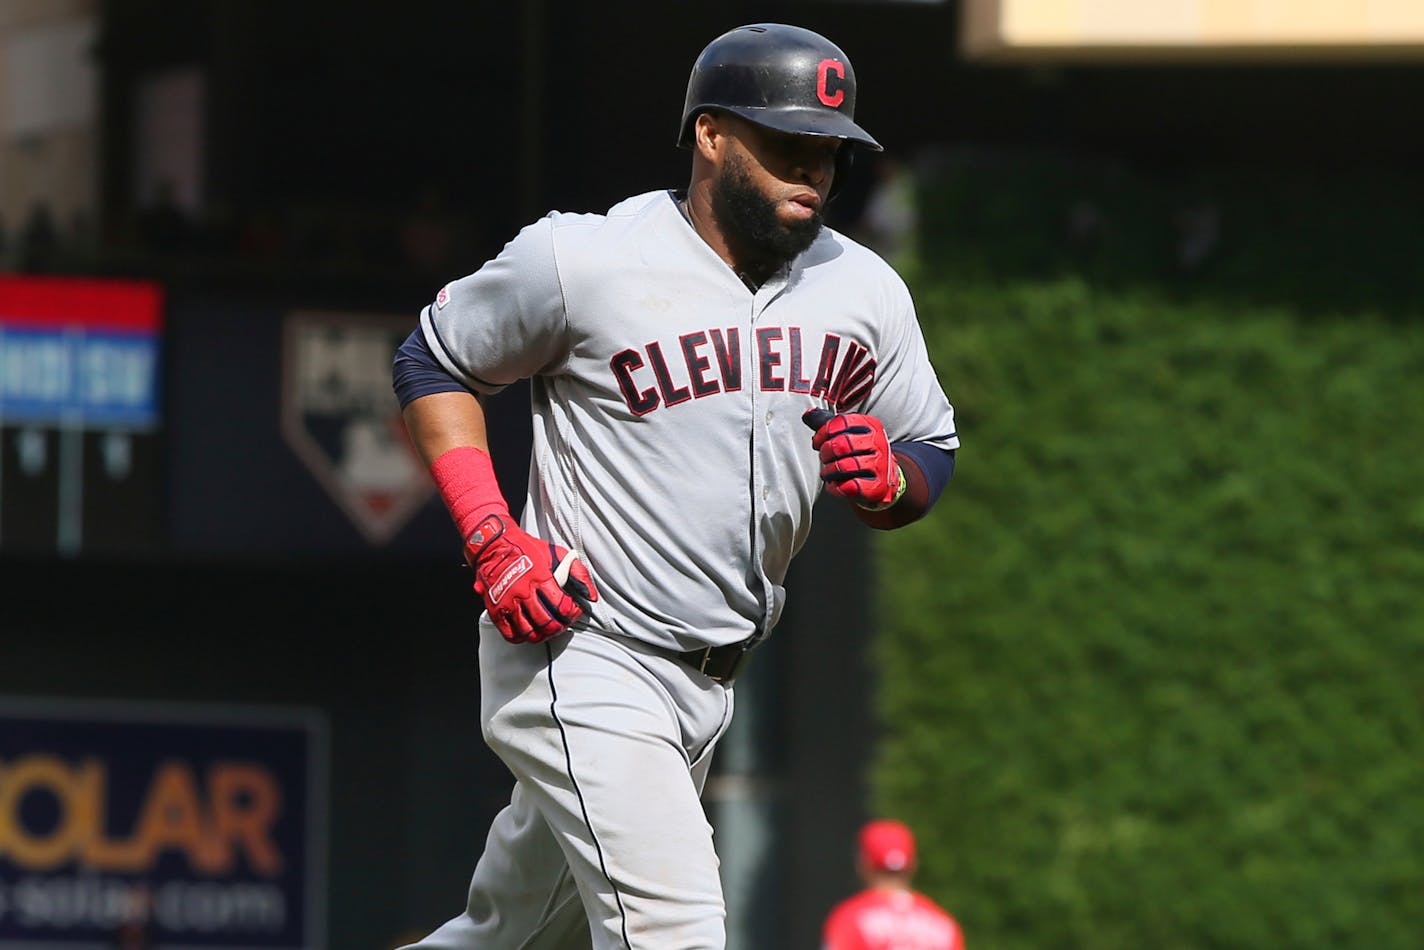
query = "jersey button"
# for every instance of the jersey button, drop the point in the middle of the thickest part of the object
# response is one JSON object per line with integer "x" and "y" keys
{"x": 768, "y": 418}
{"x": 764, "y": 493}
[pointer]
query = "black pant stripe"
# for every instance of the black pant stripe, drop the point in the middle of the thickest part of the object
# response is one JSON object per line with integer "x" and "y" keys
{"x": 569, "y": 763}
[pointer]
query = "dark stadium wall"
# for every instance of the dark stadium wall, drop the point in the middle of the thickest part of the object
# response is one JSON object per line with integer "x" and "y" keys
{"x": 516, "y": 109}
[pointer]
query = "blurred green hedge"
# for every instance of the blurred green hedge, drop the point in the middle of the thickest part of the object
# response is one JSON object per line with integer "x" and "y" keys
{"x": 1153, "y": 672}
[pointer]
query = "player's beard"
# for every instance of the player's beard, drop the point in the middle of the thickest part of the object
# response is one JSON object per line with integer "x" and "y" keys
{"x": 749, "y": 222}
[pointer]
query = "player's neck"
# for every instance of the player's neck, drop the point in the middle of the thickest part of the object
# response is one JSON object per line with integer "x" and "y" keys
{"x": 696, "y": 207}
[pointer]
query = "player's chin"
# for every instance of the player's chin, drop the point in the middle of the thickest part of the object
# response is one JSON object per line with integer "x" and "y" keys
{"x": 799, "y": 233}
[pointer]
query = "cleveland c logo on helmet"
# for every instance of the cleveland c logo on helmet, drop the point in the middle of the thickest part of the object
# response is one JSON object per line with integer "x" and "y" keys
{"x": 823, "y": 91}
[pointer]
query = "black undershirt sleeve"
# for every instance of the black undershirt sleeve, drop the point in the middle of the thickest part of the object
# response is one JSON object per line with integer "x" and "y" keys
{"x": 416, "y": 372}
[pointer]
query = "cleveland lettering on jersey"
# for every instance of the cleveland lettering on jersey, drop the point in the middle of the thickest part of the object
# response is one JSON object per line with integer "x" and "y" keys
{"x": 648, "y": 382}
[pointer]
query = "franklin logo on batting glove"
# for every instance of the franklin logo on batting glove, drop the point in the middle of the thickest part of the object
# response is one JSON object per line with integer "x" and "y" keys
{"x": 515, "y": 572}
{"x": 539, "y": 579}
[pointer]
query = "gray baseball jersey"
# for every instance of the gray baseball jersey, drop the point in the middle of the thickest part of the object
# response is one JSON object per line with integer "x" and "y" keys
{"x": 668, "y": 447}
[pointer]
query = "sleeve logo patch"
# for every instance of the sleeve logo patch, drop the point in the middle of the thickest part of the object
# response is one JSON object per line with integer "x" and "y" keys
{"x": 442, "y": 298}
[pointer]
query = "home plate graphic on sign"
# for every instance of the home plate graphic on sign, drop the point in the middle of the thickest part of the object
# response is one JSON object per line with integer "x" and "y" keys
{"x": 341, "y": 417}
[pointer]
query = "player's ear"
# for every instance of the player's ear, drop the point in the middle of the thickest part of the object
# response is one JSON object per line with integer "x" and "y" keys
{"x": 708, "y": 135}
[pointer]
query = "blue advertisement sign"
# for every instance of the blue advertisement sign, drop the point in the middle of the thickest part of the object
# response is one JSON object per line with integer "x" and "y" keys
{"x": 196, "y": 826}
{"x": 59, "y": 376}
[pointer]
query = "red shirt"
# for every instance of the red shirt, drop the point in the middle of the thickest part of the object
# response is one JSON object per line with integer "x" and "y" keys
{"x": 890, "y": 920}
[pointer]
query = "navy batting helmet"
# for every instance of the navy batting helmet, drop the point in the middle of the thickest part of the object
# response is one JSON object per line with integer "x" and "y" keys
{"x": 781, "y": 77}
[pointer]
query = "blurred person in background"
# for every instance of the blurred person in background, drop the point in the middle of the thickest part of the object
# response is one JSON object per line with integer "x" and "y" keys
{"x": 889, "y": 914}
{"x": 891, "y": 213}
{"x": 163, "y": 226}
{"x": 429, "y": 233}
{"x": 39, "y": 241}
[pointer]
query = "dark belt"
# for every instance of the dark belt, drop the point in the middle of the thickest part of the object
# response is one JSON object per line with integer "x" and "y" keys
{"x": 718, "y": 663}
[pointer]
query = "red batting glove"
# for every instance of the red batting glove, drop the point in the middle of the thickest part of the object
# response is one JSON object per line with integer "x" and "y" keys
{"x": 856, "y": 461}
{"x": 526, "y": 582}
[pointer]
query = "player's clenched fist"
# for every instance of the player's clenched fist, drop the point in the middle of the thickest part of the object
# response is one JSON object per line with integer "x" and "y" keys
{"x": 526, "y": 582}
{"x": 856, "y": 460}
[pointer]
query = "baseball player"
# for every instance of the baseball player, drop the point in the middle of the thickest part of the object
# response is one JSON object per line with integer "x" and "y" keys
{"x": 889, "y": 914}
{"x": 678, "y": 348}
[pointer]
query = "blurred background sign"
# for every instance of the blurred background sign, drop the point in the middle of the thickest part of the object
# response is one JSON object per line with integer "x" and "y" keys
{"x": 194, "y": 825}
{"x": 340, "y": 415}
{"x": 79, "y": 414}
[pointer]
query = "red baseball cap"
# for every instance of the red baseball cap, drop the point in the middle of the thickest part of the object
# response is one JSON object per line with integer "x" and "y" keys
{"x": 887, "y": 845}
